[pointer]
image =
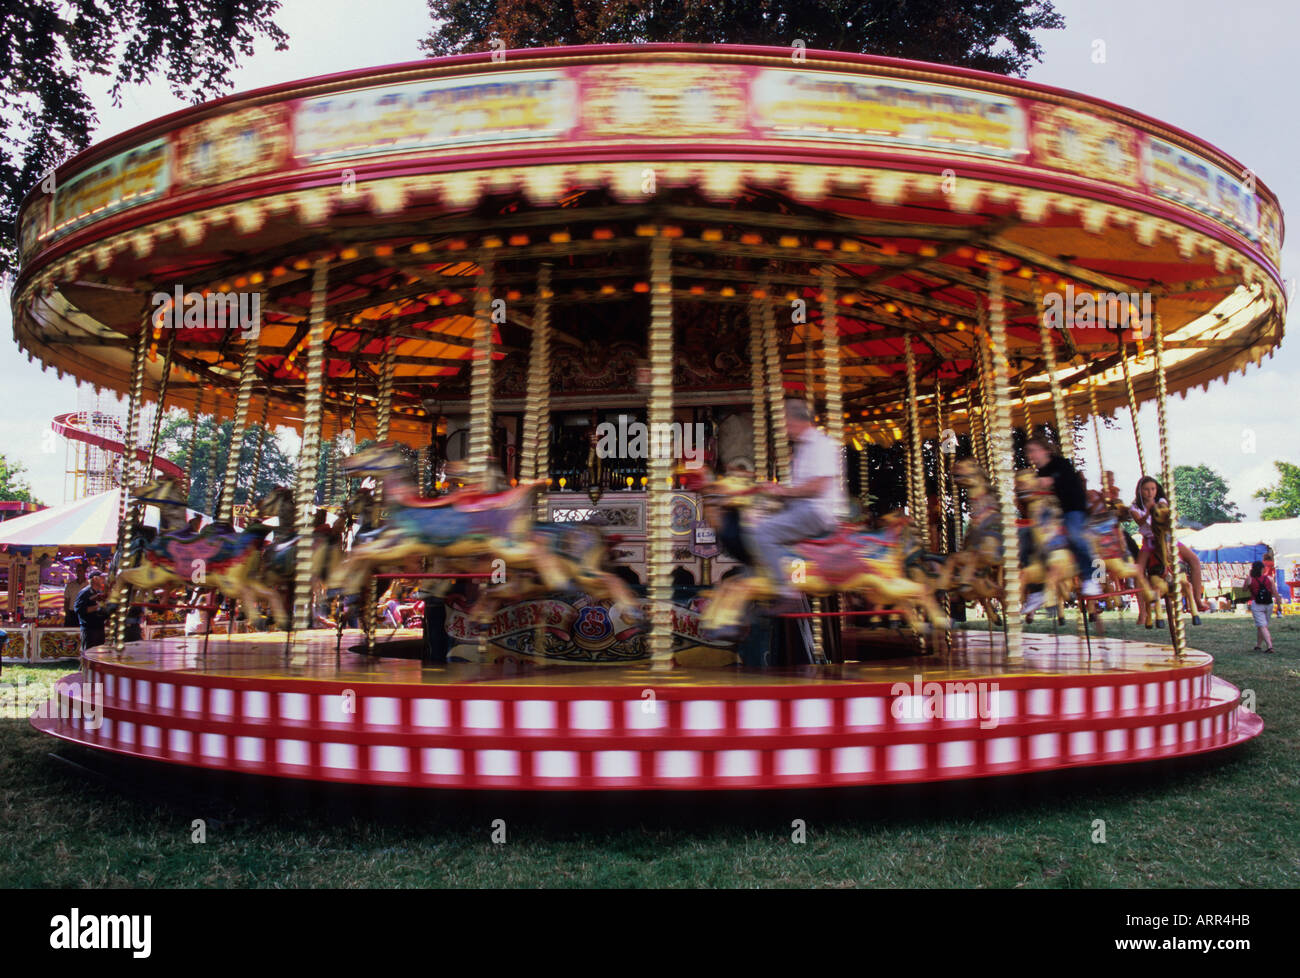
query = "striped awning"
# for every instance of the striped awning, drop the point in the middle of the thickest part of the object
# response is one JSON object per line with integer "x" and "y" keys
{"x": 89, "y": 522}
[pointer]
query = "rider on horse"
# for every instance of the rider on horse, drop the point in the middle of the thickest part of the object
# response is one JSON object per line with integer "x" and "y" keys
{"x": 814, "y": 498}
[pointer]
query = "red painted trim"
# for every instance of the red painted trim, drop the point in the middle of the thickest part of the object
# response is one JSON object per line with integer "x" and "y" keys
{"x": 374, "y": 76}
{"x": 169, "y": 207}
{"x": 1166, "y": 701}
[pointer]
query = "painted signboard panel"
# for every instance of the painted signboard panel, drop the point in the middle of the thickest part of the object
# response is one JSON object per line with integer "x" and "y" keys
{"x": 597, "y": 105}
{"x": 510, "y": 106}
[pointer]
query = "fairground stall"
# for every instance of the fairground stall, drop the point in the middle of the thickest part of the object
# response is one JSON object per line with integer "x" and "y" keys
{"x": 38, "y": 554}
{"x": 498, "y": 261}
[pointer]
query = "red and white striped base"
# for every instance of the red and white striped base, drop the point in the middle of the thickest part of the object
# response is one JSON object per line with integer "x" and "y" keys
{"x": 244, "y": 707}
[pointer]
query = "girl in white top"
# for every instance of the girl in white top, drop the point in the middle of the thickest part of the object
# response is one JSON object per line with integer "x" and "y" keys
{"x": 1149, "y": 494}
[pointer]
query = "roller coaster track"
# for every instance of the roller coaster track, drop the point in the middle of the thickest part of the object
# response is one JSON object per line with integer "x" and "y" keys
{"x": 70, "y": 426}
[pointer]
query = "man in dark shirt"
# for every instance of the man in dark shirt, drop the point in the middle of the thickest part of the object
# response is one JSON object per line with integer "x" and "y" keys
{"x": 90, "y": 612}
{"x": 1070, "y": 493}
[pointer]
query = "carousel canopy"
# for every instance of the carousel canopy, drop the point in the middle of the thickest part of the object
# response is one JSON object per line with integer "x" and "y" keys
{"x": 89, "y": 522}
{"x": 906, "y": 183}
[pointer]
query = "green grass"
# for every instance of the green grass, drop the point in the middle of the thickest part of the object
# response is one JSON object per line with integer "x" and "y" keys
{"x": 1225, "y": 821}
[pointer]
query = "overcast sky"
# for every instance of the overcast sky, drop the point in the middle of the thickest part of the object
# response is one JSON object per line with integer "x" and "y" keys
{"x": 1225, "y": 72}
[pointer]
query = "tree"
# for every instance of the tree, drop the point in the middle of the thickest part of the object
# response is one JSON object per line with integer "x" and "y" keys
{"x": 49, "y": 47}
{"x": 1283, "y": 498}
{"x": 1203, "y": 496}
{"x": 13, "y": 487}
{"x": 992, "y": 35}
{"x": 276, "y": 469}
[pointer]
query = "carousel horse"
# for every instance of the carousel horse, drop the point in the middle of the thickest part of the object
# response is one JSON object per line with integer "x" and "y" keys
{"x": 1050, "y": 561}
{"x": 1160, "y": 570}
{"x": 279, "y": 559}
{"x": 1108, "y": 544}
{"x": 470, "y": 527}
{"x": 974, "y": 573}
{"x": 217, "y": 556}
{"x": 847, "y": 560}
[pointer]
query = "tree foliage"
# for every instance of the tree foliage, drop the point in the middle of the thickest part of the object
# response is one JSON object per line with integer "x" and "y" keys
{"x": 50, "y": 47}
{"x": 991, "y": 35}
{"x": 276, "y": 469}
{"x": 1203, "y": 496}
{"x": 1284, "y": 498}
{"x": 13, "y": 487}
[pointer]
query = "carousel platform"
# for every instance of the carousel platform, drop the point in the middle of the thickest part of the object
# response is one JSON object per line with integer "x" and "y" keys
{"x": 243, "y": 705}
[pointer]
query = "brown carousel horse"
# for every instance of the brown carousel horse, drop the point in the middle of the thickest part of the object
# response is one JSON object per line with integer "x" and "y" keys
{"x": 847, "y": 560}
{"x": 471, "y": 529}
{"x": 217, "y": 556}
{"x": 974, "y": 573}
{"x": 279, "y": 559}
{"x": 1160, "y": 571}
{"x": 1110, "y": 547}
{"x": 1050, "y": 561}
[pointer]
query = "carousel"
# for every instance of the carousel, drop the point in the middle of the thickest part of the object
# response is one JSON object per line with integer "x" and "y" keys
{"x": 539, "y": 316}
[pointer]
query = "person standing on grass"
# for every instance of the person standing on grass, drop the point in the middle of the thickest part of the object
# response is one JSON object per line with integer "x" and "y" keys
{"x": 90, "y": 611}
{"x": 1263, "y": 599}
{"x": 70, "y": 592}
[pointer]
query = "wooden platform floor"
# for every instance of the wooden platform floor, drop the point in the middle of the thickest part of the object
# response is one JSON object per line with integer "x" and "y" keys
{"x": 316, "y": 656}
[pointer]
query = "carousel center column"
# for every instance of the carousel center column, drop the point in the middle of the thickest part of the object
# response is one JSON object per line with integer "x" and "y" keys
{"x": 661, "y": 460}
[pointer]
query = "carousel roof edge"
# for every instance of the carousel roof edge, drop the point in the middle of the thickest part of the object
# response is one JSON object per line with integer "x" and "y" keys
{"x": 489, "y": 61}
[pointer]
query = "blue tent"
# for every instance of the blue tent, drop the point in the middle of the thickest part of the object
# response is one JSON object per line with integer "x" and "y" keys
{"x": 1226, "y": 550}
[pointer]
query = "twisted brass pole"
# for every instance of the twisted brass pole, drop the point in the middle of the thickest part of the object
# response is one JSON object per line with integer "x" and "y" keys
{"x": 864, "y": 476}
{"x": 661, "y": 462}
{"x": 1096, "y": 433}
{"x": 247, "y": 374}
{"x": 944, "y": 468}
{"x": 1132, "y": 406}
{"x": 1065, "y": 442}
{"x": 1002, "y": 451}
{"x": 163, "y": 383}
{"x": 809, "y": 392}
{"x": 834, "y": 375}
{"x": 536, "y": 450}
{"x": 757, "y": 385}
{"x": 309, "y": 457}
{"x": 261, "y": 444}
{"x": 1172, "y": 562}
{"x": 914, "y": 463}
{"x": 982, "y": 340}
{"x": 125, "y": 513}
{"x": 214, "y": 458}
{"x": 775, "y": 386}
{"x": 194, "y": 437}
{"x": 480, "y": 396}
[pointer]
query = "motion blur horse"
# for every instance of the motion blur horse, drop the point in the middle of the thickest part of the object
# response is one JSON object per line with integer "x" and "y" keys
{"x": 1108, "y": 544}
{"x": 279, "y": 559}
{"x": 974, "y": 573}
{"x": 847, "y": 560}
{"x": 1159, "y": 574}
{"x": 217, "y": 556}
{"x": 1050, "y": 561}
{"x": 471, "y": 528}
